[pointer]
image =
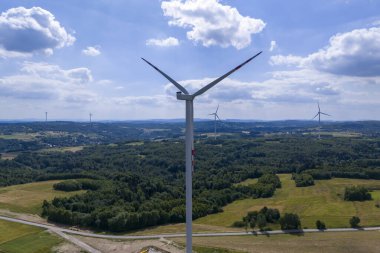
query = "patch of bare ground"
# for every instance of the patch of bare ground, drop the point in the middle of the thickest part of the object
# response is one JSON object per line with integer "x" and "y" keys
{"x": 132, "y": 246}
{"x": 66, "y": 248}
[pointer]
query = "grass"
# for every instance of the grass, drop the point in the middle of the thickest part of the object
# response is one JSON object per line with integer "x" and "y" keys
{"x": 62, "y": 149}
{"x": 9, "y": 156}
{"x": 28, "y": 198}
{"x": 18, "y": 136}
{"x": 248, "y": 181}
{"x": 203, "y": 249}
{"x": 20, "y": 238}
{"x": 322, "y": 201}
{"x": 340, "y": 242}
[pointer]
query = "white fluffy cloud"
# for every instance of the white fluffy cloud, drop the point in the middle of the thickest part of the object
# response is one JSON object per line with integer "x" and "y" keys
{"x": 273, "y": 45}
{"x": 212, "y": 23}
{"x": 48, "y": 82}
{"x": 26, "y": 31}
{"x": 168, "y": 42}
{"x": 355, "y": 53}
{"x": 91, "y": 51}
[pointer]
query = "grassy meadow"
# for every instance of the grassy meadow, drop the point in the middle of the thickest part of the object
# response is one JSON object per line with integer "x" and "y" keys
{"x": 342, "y": 242}
{"x": 20, "y": 238}
{"x": 28, "y": 198}
{"x": 323, "y": 201}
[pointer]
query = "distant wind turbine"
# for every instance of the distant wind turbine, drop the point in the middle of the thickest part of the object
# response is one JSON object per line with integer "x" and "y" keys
{"x": 215, "y": 118}
{"x": 319, "y": 120}
{"x": 45, "y": 116}
{"x": 183, "y": 94}
{"x": 90, "y": 117}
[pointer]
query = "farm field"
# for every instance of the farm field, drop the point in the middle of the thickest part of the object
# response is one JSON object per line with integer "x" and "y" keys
{"x": 342, "y": 242}
{"x": 323, "y": 201}
{"x": 28, "y": 198}
{"x": 9, "y": 156}
{"x": 19, "y": 238}
{"x": 19, "y": 136}
{"x": 62, "y": 149}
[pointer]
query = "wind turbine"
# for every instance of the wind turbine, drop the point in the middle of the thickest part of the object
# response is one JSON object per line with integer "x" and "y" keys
{"x": 45, "y": 116}
{"x": 90, "y": 117}
{"x": 319, "y": 120}
{"x": 215, "y": 117}
{"x": 183, "y": 94}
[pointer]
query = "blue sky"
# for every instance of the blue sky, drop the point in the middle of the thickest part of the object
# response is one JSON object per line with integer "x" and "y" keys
{"x": 73, "y": 57}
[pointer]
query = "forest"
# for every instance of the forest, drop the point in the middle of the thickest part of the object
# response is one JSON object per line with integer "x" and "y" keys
{"x": 134, "y": 182}
{"x": 134, "y": 185}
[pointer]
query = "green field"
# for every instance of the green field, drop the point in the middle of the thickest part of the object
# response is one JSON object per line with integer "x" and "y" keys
{"x": 61, "y": 149}
{"x": 342, "y": 242}
{"x": 28, "y": 198}
{"x": 19, "y": 238}
{"x": 19, "y": 136}
{"x": 323, "y": 201}
{"x": 9, "y": 156}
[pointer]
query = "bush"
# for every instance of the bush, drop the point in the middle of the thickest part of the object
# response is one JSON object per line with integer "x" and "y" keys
{"x": 303, "y": 180}
{"x": 320, "y": 225}
{"x": 357, "y": 193}
{"x": 354, "y": 221}
{"x": 290, "y": 221}
{"x": 270, "y": 179}
{"x": 68, "y": 186}
{"x": 238, "y": 224}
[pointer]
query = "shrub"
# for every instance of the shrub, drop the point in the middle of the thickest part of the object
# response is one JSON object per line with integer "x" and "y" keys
{"x": 303, "y": 180}
{"x": 357, "y": 193}
{"x": 270, "y": 179}
{"x": 320, "y": 225}
{"x": 354, "y": 221}
{"x": 238, "y": 224}
{"x": 290, "y": 221}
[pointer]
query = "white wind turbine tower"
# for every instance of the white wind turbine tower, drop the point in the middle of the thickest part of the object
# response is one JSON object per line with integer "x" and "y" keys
{"x": 215, "y": 118}
{"x": 45, "y": 116}
{"x": 319, "y": 120}
{"x": 90, "y": 117}
{"x": 183, "y": 94}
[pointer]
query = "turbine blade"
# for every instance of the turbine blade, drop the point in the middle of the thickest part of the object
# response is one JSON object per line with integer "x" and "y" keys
{"x": 180, "y": 87}
{"x": 315, "y": 116}
{"x": 217, "y": 109}
{"x": 319, "y": 109}
{"x": 210, "y": 85}
{"x": 218, "y": 117}
{"x": 325, "y": 114}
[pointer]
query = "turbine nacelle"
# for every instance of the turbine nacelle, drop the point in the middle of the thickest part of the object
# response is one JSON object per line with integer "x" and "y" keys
{"x": 181, "y": 96}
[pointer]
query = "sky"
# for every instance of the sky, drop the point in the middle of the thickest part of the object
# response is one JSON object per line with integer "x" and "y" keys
{"x": 72, "y": 58}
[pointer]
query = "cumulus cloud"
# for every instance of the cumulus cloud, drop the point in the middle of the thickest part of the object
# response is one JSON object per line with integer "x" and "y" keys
{"x": 91, "y": 51}
{"x": 49, "y": 71}
{"x": 168, "y": 42}
{"x": 45, "y": 81}
{"x": 273, "y": 45}
{"x": 355, "y": 53}
{"x": 212, "y": 23}
{"x": 25, "y": 31}
{"x": 288, "y": 88}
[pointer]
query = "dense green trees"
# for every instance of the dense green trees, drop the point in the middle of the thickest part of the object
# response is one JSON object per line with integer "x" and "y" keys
{"x": 270, "y": 179}
{"x": 357, "y": 193}
{"x": 290, "y": 221}
{"x": 303, "y": 179}
{"x": 136, "y": 180}
{"x": 259, "y": 218}
{"x": 354, "y": 221}
{"x": 75, "y": 185}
